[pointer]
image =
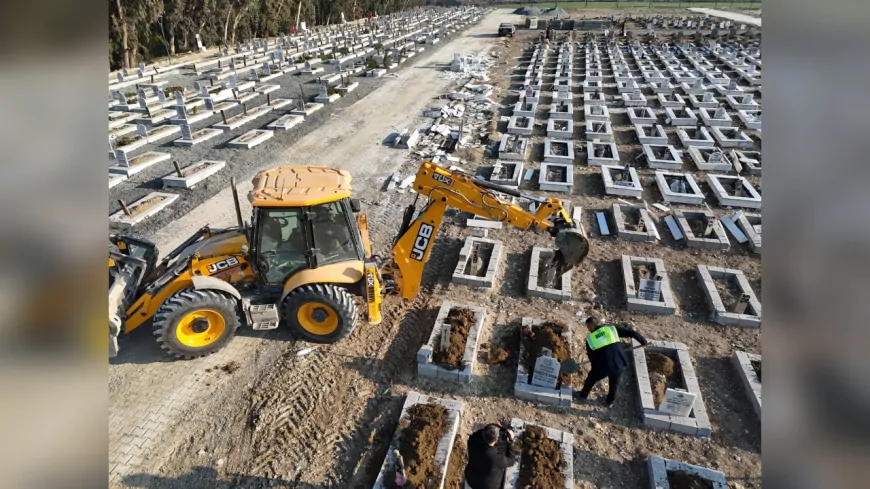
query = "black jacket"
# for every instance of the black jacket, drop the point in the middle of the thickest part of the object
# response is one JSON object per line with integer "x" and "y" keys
{"x": 611, "y": 359}
{"x": 487, "y": 464}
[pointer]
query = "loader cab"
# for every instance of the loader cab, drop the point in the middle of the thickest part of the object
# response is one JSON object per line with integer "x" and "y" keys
{"x": 303, "y": 218}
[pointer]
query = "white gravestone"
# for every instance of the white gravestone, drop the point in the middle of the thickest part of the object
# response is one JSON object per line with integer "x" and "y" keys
{"x": 445, "y": 337}
{"x": 546, "y": 372}
{"x": 650, "y": 290}
{"x": 199, "y": 43}
{"x": 677, "y": 403}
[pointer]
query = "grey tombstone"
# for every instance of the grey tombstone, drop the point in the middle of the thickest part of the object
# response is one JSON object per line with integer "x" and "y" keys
{"x": 203, "y": 91}
{"x": 185, "y": 131}
{"x": 199, "y": 43}
{"x": 323, "y": 92}
{"x": 650, "y": 290}
{"x": 142, "y": 102}
{"x": 677, "y": 403}
{"x": 120, "y": 77}
{"x": 120, "y": 98}
{"x": 140, "y": 128}
{"x": 179, "y": 99}
{"x": 232, "y": 65}
{"x": 209, "y": 103}
{"x": 254, "y": 75}
{"x": 233, "y": 82}
{"x": 121, "y": 158}
{"x": 196, "y": 86}
{"x": 266, "y": 70}
{"x": 125, "y": 71}
{"x": 182, "y": 113}
{"x": 223, "y": 85}
{"x": 546, "y": 372}
{"x": 161, "y": 96}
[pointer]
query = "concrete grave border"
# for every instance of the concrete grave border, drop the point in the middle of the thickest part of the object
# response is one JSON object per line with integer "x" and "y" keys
{"x": 567, "y": 133}
{"x": 549, "y": 157}
{"x": 198, "y": 136}
{"x": 698, "y": 423}
{"x": 514, "y": 128}
{"x": 593, "y": 160}
{"x": 664, "y": 306}
{"x": 658, "y": 468}
{"x": 606, "y": 136}
{"x": 522, "y": 144}
{"x": 719, "y": 242}
{"x": 553, "y": 186}
{"x": 563, "y": 293}
{"x": 487, "y": 281}
{"x": 704, "y": 164}
{"x": 743, "y": 362}
{"x": 742, "y": 140}
{"x": 726, "y": 199}
{"x": 523, "y": 387}
{"x": 124, "y": 222}
{"x": 747, "y": 227}
{"x": 189, "y": 181}
{"x": 675, "y": 165}
{"x": 688, "y": 120}
{"x": 153, "y": 158}
{"x": 688, "y": 142}
{"x": 426, "y": 366}
{"x": 262, "y": 135}
{"x": 718, "y": 314}
{"x": 445, "y": 445}
{"x": 642, "y": 115}
{"x": 566, "y": 443}
{"x": 648, "y": 235}
{"x": 610, "y": 187}
{"x": 516, "y": 174}
{"x": 660, "y": 140}
{"x": 696, "y": 197}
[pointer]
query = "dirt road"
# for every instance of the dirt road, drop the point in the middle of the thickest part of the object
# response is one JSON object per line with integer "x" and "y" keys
{"x": 154, "y": 401}
{"x": 736, "y": 16}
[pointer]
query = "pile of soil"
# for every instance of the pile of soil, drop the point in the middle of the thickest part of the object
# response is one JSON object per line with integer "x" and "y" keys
{"x": 663, "y": 373}
{"x": 418, "y": 440}
{"x": 541, "y": 461}
{"x": 730, "y": 293}
{"x": 639, "y": 272}
{"x": 756, "y": 365}
{"x": 455, "y": 477}
{"x": 499, "y": 355}
{"x": 461, "y": 321}
{"x": 547, "y": 335}
{"x": 684, "y": 480}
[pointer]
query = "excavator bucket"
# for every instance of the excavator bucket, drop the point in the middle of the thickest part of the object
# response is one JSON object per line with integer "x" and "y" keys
{"x": 571, "y": 249}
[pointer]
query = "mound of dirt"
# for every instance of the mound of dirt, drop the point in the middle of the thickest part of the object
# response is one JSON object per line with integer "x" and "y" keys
{"x": 418, "y": 440}
{"x": 558, "y": 11}
{"x": 663, "y": 373}
{"x": 455, "y": 478}
{"x": 461, "y": 321}
{"x": 684, "y": 480}
{"x": 541, "y": 461}
{"x": 547, "y": 335}
{"x": 530, "y": 11}
{"x": 497, "y": 356}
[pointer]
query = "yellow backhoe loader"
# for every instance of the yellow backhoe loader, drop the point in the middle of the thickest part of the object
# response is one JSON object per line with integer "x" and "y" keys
{"x": 302, "y": 259}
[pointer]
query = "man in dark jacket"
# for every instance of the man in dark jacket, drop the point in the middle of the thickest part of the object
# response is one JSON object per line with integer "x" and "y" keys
{"x": 489, "y": 456}
{"x": 606, "y": 355}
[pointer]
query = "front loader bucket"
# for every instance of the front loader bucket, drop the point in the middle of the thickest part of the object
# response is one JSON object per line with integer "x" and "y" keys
{"x": 571, "y": 249}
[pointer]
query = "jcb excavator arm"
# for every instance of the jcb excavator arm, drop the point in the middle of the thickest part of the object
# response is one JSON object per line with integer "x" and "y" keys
{"x": 446, "y": 189}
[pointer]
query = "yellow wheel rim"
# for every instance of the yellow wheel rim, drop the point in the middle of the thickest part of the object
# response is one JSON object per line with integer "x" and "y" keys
{"x": 201, "y": 327}
{"x": 317, "y": 318}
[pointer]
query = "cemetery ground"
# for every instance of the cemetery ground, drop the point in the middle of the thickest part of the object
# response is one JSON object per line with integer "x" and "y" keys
{"x": 268, "y": 412}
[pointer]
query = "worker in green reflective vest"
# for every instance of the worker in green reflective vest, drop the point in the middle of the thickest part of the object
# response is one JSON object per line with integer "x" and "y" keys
{"x": 606, "y": 355}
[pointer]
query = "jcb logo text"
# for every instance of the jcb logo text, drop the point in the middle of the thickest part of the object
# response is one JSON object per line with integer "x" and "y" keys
{"x": 421, "y": 244}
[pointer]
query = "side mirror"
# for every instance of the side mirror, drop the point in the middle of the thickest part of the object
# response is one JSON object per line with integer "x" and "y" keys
{"x": 355, "y": 205}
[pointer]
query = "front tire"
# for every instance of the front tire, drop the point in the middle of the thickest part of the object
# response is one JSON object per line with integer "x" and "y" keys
{"x": 195, "y": 323}
{"x": 320, "y": 313}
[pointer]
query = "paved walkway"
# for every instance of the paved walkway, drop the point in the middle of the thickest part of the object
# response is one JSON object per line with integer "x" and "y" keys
{"x": 748, "y": 19}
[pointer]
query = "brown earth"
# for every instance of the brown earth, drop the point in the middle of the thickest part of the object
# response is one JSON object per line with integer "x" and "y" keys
{"x": 684, "y": 480}
{"x": 455, "y": 477}
{"x": 547, "y": 335}
{"x": 231, "y": 367}
{"x": 461, "y": 321}
{"x": 418, "y": 441}
{"x": 541, "y": 461}
{"x": 662, "y": 374}
{"x": 499, "y": 355}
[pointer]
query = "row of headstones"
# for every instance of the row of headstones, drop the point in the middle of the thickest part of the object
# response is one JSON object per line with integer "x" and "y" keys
{"x": 124, "y": 74}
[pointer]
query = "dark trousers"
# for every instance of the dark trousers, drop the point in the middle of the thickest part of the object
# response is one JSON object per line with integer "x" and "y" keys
{"x": 594, "y": 377}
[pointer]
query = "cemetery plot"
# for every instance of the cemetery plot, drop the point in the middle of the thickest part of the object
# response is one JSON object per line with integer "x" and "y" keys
{"x": 250, "y": 139}
{"x": 132, "y": 214}
{"x": 715, "y": 117}
{"x": 602, "y": 153}
{"x": 478, "y": 263}
{"x": 543, "y": 281}
{"x": 525, "y": 109}
{"x": 286, "y": 122}
{"x": 190, "y": 175}
{"x": 189, "y": 138}
{"x": 599, "y": 131}
{"x": 641, "y": 115}
{"x": 647, "y": 288}
{"x": 750, "y": 118}
{"x": 651, "y": 134}
{"x": 731, "y": 137}
{"x": 679, "y": 187}
{"x": 734, "y": 191}
{"x": 621, "y": 180}
{"x": 115, "y": 179}
{"x": 555, "y": 177}
{"x": 451, "y": 351}
{"x": 506, "y": 173}
{"x": 130, "y": 166}
{"x": 702, "y": 229}
{"x": 239, "y": 120}
{"x": 748, "y": 367}
{"x": 634, "y": 99}
{"x": 709, "y": 158}
{"x": 680, "y": 116}
{"x": 424, "y": 434}
{"x": 668, "y": 389}
{"x": 670, "y": 474}
{"x": 558, "y": 151}
{"x": 546, "y": 458}
{"x": 662, "y": 157}
{"x": 560, "y": 128}
{"x": 750, "y": 224}
{"x": 560, "y": 110}
{"x": 694, "y": 136}
{"x": 633, "y": 223}
{"x": 307, "y": 109}
{"x": 596, "y": 113}
{"x": 543, "y": 347}
{"x": 729, "y": 296}
{"x": 704, "y": 100}
{"x": 670, "y": 99}
{"x": 521, "y": 125}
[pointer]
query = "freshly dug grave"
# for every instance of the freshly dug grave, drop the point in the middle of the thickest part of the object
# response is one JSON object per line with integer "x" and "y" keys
{"x": 684, "y": 480}
{"x": 664, "y": 372}
{"x": 756, "y": 365}
{"x": 418, "y": 441}
{"x": 639, "y": 272}
{"x": 730, "y": 293}
{"x": 461, "y": 321}
{"x": 547, "y": 335}
{"x": 541, "y": 461}
{"x": 455, "y": 477}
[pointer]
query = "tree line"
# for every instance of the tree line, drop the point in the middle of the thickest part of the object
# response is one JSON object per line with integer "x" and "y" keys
{"x": 142, "y": 30}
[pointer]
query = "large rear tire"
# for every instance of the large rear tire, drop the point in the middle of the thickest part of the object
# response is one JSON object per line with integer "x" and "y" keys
{"x": 320, "y": 313}
{"x": 195, "y": 323}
